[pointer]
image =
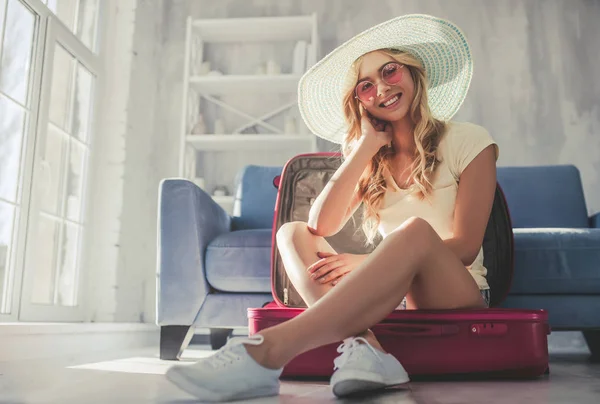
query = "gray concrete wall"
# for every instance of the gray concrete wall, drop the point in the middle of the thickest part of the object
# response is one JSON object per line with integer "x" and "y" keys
{"x": 126, "y": 168}
{"x": 107, "y": 163}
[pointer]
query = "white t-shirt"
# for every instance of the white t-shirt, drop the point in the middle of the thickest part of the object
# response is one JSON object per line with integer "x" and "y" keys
{"x": 459, "y": 146}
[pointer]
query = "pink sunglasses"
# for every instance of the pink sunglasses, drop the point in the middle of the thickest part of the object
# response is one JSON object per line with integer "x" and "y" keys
{"x": 391, "y": 73}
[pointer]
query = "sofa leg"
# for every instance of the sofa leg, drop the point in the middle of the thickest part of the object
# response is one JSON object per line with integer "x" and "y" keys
{"x": 173, "y": 341}
{"x": 592, "y": 337}
{"x": 218, "y": 337}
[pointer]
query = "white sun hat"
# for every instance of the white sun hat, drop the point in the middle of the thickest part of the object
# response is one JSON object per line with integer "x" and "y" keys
{"x": 438, "y": 44}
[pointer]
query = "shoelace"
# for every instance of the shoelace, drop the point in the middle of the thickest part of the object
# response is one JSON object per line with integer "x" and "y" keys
{"x": 349, "y": 353}
{"x": 227, "y": 355}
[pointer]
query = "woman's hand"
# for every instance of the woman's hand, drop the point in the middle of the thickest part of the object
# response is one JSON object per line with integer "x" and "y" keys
{"x": 376, "y": 133}
{"x": 331, "y": 268}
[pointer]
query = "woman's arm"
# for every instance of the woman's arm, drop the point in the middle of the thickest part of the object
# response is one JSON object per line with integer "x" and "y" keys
{"x": 474, "y": 200}
{"x": 338, "y": 200}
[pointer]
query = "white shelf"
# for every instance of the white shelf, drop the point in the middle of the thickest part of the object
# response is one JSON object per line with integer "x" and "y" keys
{"x": 235, "y": 84}
{"x": 248, "y": 142}
{"x": 267, "y": 29}
{"x": 224, "y": 200}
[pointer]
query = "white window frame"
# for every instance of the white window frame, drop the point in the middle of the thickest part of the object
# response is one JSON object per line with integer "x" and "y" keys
{"x": 50, "y": 30}
{"x": 34, "y": 91}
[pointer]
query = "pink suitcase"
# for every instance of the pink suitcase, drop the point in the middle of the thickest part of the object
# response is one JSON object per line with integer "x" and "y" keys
{"x": 503, "y": 342}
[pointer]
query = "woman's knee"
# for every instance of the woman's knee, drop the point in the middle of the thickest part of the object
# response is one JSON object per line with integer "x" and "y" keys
{"x": 415, "y": 226}
{"x": 416, "y": 233}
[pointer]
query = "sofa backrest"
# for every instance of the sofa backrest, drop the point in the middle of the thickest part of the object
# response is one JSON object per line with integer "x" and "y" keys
{"x": 537, "y": 196}
{"x": 255, "y": 198}
{"x": 544, "y": 196}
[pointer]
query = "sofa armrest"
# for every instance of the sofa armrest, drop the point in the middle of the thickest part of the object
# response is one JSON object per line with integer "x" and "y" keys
{"x": 595, "y": 221}
{"x": 188, "y": 220}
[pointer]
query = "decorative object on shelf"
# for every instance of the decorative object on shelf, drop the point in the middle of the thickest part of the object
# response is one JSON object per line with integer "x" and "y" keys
{"x": 290, "y": 125}
{"x": 215, "y": 73}
{"x": 219, "y": 126}
{"x": 200, "y": 127}
{"x": 273, "y": 67}
{"x": 204, "y": 68}
{"x": 220, "y": 190}
{"x": 260, "y": 70}
{"x": 299, "y": 64}
{"x": 200, "y": 182}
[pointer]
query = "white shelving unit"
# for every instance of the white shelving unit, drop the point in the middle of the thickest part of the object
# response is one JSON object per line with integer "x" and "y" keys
{"x": 248, "y": 142}
{"x": 256, "y": 29}
{"x": 222, "y": 85}
{"x": 201, "y": 88}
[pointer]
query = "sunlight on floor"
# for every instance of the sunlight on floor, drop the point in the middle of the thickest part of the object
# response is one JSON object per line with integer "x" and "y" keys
{"x": 145, "y": 365}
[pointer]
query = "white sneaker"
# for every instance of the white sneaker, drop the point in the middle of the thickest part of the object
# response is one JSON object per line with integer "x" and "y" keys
{"x": 230, "y": 374}
{"x": 360, "y": 367}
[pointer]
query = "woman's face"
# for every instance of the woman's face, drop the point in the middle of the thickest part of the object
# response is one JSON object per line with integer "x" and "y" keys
{"x": 404, "y": 89}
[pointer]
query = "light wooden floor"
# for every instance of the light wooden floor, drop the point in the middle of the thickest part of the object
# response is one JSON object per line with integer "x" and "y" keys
{"x": 136, "y": 376}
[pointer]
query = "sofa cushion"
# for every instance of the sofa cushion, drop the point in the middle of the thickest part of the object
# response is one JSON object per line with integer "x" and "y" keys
{"x": 556, "y": 261}
{"x": 544, "y": 196}
{"x": 255, "y": 198}
{"x": 240, "y": 261}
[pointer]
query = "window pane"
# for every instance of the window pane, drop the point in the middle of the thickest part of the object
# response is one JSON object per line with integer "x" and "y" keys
{"x": 82, "y": 105}
{"x": 65, "y": 10}
{"x": 16, "y": 51}
{"x": 75, "y": 181}
{"x": 11, "y": 137}
{"x": 67, "y": 275}
{"x": 49, "y": 184}
{"x": 60, "y": 92}
{"x": 46, "y": 242}
{"x": 87, "y": 22}
{"x": 7, "y": 220}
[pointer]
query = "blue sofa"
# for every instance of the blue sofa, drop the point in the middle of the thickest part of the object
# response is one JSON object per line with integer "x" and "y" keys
{"x": 212, "y": 267}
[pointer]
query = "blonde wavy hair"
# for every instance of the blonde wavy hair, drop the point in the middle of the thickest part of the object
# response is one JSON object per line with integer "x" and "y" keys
{"x": 427, "y": 134}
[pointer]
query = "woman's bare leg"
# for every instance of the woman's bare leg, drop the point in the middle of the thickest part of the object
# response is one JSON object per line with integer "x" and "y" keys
{"x": 298, "y": 248}
{"x": 411, "y": 258}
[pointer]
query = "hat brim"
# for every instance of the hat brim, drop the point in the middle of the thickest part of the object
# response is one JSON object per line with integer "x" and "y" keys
{"x": 438, "y": 44}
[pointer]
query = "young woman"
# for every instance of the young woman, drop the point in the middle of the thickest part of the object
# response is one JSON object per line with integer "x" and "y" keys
{"x": 426, "y": 185}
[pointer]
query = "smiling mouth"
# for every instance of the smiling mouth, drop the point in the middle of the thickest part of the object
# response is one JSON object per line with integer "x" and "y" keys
{"x": 391, "y": 103}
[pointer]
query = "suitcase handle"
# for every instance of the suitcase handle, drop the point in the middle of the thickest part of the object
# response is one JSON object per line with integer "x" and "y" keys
{"x": 416, "y": 330}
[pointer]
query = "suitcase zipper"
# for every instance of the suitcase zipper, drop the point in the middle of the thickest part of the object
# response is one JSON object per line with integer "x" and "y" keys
{"x": 285, "y": 296}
